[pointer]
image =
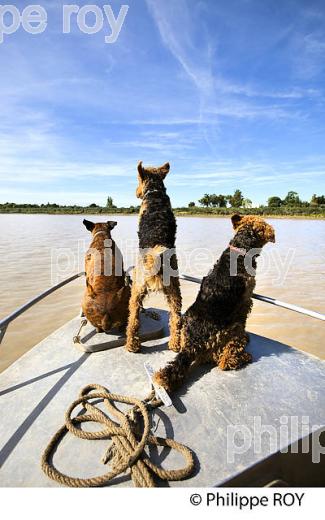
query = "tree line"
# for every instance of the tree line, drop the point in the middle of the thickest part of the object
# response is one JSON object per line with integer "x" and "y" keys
{"x": 221, "y": 201}
{"x": 208, "y": 204}
{"x": 237, "y": 200}
{"x": 293, "y": 199}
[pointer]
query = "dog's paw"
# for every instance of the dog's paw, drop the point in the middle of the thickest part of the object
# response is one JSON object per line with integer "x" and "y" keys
{"x": 247, "y": 358}
{"x": 161, "y": 379}
{"x": 233, "y": 360}
{"x": 133, "y": 346}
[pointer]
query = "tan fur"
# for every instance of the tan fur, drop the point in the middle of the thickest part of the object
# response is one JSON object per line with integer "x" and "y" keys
{"x": 258, "y": 224}
{"x": 138, "y": 294}
{"x": 143, "y": 208}
{"x": 145, "y": 282}
{"x": 140, "y": 192}
{"x": 151, "y": 264}
{"x": 106, "y": 297}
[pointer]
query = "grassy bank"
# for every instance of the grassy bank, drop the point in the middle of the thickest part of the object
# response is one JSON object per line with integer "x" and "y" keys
{"x": 315, "y": 212}
{"x": 283, "y": 212}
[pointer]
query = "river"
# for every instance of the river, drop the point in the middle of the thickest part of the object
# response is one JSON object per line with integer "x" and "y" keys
{"x": 37, "y": 251}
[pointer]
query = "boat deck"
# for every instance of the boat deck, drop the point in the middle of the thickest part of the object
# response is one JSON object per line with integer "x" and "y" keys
{"x": 37, "y": 389}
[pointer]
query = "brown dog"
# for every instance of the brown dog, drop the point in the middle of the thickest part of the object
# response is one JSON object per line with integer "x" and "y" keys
{"x": 107, "y": 294}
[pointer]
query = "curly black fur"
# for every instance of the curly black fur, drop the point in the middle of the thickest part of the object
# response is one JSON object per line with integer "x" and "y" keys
{"x": 157, "y": 223}
{"x": 213, "y": 327}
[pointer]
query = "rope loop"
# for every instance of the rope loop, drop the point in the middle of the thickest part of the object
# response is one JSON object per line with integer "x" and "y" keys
{"x": 129, "y": 433}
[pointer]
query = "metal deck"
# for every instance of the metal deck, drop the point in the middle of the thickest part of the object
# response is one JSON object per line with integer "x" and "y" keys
{"x": 37, "y": 389}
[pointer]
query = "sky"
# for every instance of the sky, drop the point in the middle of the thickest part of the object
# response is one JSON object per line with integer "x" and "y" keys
{"x": 230, "y": 92}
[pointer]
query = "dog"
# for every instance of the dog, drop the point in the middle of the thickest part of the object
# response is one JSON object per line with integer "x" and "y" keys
{"x": 107, "y": 294}
{"x": 213, "y": 328}
{"x": 157, "y": 233}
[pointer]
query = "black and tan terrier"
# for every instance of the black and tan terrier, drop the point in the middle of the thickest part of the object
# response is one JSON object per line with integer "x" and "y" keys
{"x": 213, "y": 329}
{"x": 107, "y": 294}
{"x": 157, "y": 233}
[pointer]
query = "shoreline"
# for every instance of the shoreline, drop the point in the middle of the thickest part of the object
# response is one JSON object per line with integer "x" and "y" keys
{"x": 287, "y": 217}
{"x": 177, "y": 213}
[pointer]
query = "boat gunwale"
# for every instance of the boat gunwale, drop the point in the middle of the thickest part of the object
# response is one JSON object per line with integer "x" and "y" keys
{"x": 5, "y": 322}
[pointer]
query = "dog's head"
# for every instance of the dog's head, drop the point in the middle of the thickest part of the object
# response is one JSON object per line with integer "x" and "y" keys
{"x": 105, "y": 227}
{"x": 151, "y": 178}
{"x": 260, "y": 231}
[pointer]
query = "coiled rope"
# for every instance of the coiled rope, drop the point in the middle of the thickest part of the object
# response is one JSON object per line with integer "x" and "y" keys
{"x": 130, "y": 434}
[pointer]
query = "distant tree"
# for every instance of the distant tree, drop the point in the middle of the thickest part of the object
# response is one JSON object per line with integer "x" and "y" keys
{"x": 222, "y": 201}
{"x": 219, "y": 201}
{"x": 316, "y": 200}
{"x": 214, "y": 199}
{"x": 292, "y": 199}
{"x": 109, "y": 203}
{"x": 191, "y": 205}
{"x": 313, "y": 201}
{"x": 93, "y": 205}
{"x": 236, "y": 200}
{"x": 247, "y": 203}
{"x": 206, "y": 200}
{"x": 274, "y": 202}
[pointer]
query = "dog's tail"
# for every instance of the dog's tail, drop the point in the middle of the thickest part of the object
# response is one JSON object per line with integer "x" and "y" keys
{"x": 152, "y": 265}
{"x": 173, "y": 375}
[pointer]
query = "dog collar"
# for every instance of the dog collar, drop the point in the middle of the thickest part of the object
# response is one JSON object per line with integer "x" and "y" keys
{"x": 237, "y": 250}
{"x": 99, "y": 233}
{"x": 149, "y": 191}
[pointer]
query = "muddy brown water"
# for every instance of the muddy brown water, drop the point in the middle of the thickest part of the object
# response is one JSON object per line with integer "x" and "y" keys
{"x": 37, "y": 251}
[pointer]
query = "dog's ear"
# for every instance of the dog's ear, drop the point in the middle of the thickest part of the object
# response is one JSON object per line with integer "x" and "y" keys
{"x": 89, "y": 225}
{"x": 235, "y": 219}
{"x": 140, "y": 170}
{"x": 111, "y": 224}
{"x": 163, "y": 170}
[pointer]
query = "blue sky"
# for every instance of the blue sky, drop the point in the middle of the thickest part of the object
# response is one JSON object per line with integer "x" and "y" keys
{"x": 231, "y": 92}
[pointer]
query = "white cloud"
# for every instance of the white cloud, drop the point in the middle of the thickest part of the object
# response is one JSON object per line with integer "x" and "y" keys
{"x": 38, "y": 171}
{"x": 308, "y": 51}
{"x": 254, "y": 91}
{"x": 77, "y": 197}
{"x": 219, "y": 98}
{"x": 177, "y": 29}
{"x": 247, "y": 173}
